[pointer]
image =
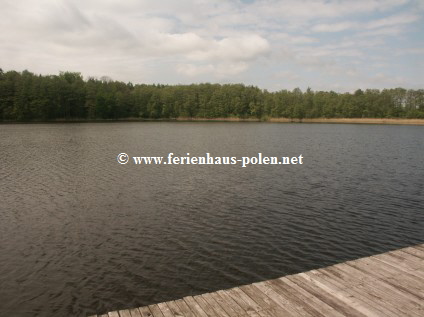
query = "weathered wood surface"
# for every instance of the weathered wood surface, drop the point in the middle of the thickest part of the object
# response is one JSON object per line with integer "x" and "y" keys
{"x": 388, "y": 285}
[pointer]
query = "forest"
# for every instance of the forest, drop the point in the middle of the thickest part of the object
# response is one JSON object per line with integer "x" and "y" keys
{"x": 25, "y": 96}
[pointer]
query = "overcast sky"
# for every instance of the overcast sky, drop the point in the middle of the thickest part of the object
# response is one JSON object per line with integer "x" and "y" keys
{"x": 322, "y": 44}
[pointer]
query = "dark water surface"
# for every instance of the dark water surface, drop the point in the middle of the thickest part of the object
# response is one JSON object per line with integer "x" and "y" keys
{"x": 81, "y": 234}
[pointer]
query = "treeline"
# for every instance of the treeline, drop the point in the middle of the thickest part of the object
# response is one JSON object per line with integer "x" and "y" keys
{"x": 25, "y": 96}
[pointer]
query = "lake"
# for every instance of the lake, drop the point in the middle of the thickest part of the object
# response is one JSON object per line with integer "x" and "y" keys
{"x": 81, "y": 233}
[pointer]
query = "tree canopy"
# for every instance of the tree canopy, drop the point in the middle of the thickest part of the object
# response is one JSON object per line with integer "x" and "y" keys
{"x": 25, "y": 96}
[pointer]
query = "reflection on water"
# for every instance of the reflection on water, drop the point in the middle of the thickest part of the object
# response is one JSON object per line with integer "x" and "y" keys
{"x": 81, "y": 233}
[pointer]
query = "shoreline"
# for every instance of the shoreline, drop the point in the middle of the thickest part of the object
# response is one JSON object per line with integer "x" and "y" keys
{"x": 314, "y": 120}
{"x": 391, "y": 121}
{"x": 355, "y": 120}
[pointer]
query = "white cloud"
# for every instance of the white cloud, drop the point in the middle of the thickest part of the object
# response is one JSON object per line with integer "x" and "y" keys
{"x": 194, "y": 70}
{"x": 391, "y": 21}
{"x": 242, "y": 48}
{"x": 413, "y": 51}
{"x": 169, "y": 44}
{"x": 313, "y": 9}
{"x": 287, "y": 75}
{"x": 198, "y": 40}
{"x": 385, "y": 31}
{"x": 220, "y": 70}
{"x": 335, "y": 27}
{"x": 287, "y": 38}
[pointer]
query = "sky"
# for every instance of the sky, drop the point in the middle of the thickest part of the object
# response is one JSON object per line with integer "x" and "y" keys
{"x": 273, "y": 44}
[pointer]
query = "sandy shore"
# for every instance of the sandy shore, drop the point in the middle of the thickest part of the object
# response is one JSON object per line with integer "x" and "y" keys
{"x": 235, "y": 119}
{"x": 229, "y": 119}
{"x": 317, "y": 120}
{"x": 353, "y": 120}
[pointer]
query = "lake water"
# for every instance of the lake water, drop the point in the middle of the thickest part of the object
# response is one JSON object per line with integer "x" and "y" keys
{"x": 81, "y": 234}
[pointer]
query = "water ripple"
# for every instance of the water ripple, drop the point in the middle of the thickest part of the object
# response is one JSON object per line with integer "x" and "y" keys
{"x": 81, "y": 234}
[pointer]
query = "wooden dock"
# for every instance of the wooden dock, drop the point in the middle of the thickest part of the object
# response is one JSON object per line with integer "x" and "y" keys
{"x": 388, "y": 285}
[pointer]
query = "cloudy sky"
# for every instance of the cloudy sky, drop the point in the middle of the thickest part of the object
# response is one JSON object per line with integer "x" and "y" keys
{"x": 274, "y": 44}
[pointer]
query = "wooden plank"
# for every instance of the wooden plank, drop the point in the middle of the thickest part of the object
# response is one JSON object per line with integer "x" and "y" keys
{"x": 395, "y": 261}
{"x": 405, "y": 257}
{"x": 382, "y": 299}
{"x": 284, "y": 303}
{"x": 385, "y": 281}
{"x": 271, "y": 313}
{"x": 143, "y": 312}
{"x": 176, "y": 311}
{"x": 155, "y": 310}
{"x": 297, "y": 305}
{"x": 195, "y": 307}
{"x": 390, "y": 297}
{"x": 377, "y": 308}
{"x": 408, "y": 261}
{"x": 254, "y": 314}
{"x": 237, "y": 292}
{"x": 379, "y": 291}
{"x": 411, "y": 279}
{"x": 275, "y": 312}
{"x": 398, "y": 267}
{"x": 344, "y": 297}
{"x": 419, "y": 247}
{"x": 349, "y": 279}
{"x": 339, "y": 274}
{"x": 124, "y": 313}
{"x": 323, "y": 274}
{"x": 403, "y": 282}
{"x": 184, "y": 308}
{"x": 328, "y": 297}
{"x": 378, "y": 266}
{"x": 231, "y": 303}
{"x": 414, "y": 287}
{"x": 113, "y": 314}
{"x": 311, "y": 303}
{"x": 412, "y": 258}
{"x": 393, "y": 269}
{"x": 389, "y": 289}
{"x": 367, "y": 266}
{"x": 207, "y": 308}
{"x": 384, "y": 289}
{"x": 215, "y": 305}
{"x": 223, "y": 304}
{"x": 166, "y": 311}
{"x": 269, "y": 306}
{"x": 240, "y": 302}
{"x": 253, "y": 292}
{"x": 358, "y": 275}
{"x": 415, "y": 252}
